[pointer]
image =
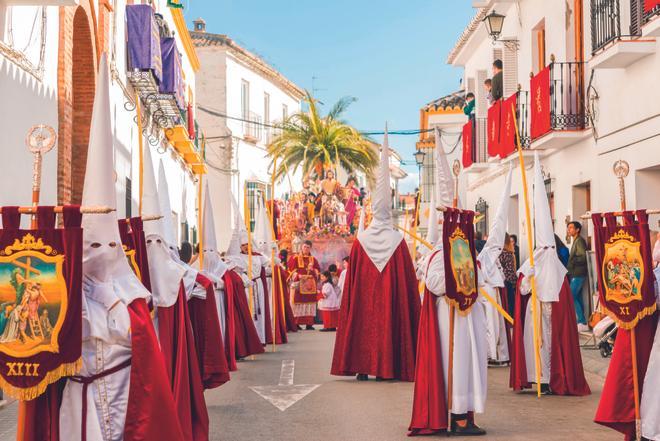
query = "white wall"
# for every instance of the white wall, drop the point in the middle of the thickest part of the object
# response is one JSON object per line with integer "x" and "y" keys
{"x": 27, "y": 101}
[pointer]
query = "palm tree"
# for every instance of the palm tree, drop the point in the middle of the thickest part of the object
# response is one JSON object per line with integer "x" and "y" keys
{"x": 313, "y": 142}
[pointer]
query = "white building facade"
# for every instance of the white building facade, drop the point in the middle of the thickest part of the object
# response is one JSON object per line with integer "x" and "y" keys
{"x": 604, "y": 104}
{"x": 49, "y": 53}
{"x": 239, "y": 97}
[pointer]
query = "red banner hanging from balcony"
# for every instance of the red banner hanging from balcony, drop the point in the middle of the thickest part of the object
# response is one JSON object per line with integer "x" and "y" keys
{"x": 467, "y": 144}
{"x": 650, "y": 5}
{"x": 540, "y": 103}
{"x": 508, "y": 128}
{"x": 625, "y": 268}
{"x": 494, "y": 124}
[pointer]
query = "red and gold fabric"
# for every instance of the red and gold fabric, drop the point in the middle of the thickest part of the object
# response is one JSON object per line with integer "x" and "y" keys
{"x": 650, "y": 5}
{"x": 494, "y": 124}
{"x": 460, "y": 259}
{"x": 625, "y": 267}
{"x": 540, "y": 103}
{"x": 40, "y": 301}
{"x": 303, "y": 279}
{"x": 508, "y": 128}
{"x": 468, "y": 143}
{"x": 135, "y": 247}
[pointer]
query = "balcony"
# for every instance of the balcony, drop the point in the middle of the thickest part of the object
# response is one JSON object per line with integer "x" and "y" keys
{"x": 612, "y": 48}
{"x": 252, "y": 128}
{"x": 558, "y": 112}
{"x": 186, "y": 143}
{"x": 477, "y": 143}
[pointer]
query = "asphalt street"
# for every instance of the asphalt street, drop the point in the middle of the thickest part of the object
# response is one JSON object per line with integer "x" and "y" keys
{"x": 342, "y": 409}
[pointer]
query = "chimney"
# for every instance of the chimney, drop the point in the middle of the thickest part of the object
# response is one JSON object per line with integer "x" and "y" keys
{"x": 200, "y": 25}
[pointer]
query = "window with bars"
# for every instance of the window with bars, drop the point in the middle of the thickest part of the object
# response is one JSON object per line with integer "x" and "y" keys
{"x": 256, "y": 191}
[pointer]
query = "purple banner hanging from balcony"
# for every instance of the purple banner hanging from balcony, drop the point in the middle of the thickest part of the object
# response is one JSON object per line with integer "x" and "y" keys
{"x": 172, "y": 81}
{"x": 143, "y": 40}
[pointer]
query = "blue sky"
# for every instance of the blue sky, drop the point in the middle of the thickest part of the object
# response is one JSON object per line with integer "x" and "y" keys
{"x": 389, "y": 54}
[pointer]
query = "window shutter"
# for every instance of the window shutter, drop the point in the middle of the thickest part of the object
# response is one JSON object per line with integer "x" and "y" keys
{"x": 510, "y": 73}
{"x": 635, "y": 17}
{"x": 482, "y": 102}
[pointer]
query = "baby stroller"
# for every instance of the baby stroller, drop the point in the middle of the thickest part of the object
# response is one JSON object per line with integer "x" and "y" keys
{"x": 605, "y": 334}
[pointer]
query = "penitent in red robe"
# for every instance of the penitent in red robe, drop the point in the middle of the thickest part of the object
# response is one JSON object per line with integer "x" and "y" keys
{"x": 566, "y": 371}
{"x": 178, "y": 347}
{"x": 247, "y": 340}
{"x": 378, "y": 318}
{"x": 617, "y": 405}
{"x": 208, "y": 336}
{"x": 429, "y": 413}
{"x": 151, "y": 412}
{"x": 279, "y": 289}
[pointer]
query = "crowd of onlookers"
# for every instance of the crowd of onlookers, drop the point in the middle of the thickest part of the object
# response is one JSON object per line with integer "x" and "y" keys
{"x": 494, "y": 90}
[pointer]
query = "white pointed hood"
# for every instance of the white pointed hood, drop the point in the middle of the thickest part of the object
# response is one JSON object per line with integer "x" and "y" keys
{"x": 490, "y": 271}
{"x": 239, "y": 236}
{"x": 106, "y": 272}
{"x": 550, "y": 272}
{"x": 380, "y": 240}
{"x": 165, "y": 271}
{"x": 444, "y": 186}
{"x": 263, "y": 232}
{"x": 433, "y": 229}
{"x": 361, "y": 220}
{"x": 213, "y": 266}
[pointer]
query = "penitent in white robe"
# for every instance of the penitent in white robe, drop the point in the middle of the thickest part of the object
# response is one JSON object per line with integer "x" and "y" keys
{"x": 650, "y": 404}
{"x": 106, "y": 344}
{"x": 259, "y": 295}
{"x": 470, "y": 348}
{"x": 496, "y": 332}
{"x": 546, "y": 336}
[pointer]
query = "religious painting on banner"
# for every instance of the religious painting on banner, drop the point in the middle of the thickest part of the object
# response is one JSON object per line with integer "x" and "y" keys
{"x": 40, "y": 301}
{"x": 508, "y": 129}
{"x": 460, "y": 257}
{"x": 468, "y": 144}
{"x": 540, "y": 103}
{"x": 626, "y": 280}
{"x": 494, "y": 125}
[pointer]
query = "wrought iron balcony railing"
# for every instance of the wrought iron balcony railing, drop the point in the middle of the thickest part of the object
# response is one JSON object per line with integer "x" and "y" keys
{"x": 568, "y": 109}
{"x": 605, "y": 23}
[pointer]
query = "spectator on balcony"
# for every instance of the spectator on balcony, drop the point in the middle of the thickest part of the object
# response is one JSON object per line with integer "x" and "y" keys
{"x": 497, "y": 90}
{"x": 577, "y": 271}
{"x": 468, "y": 107}
{"x": 488, "y": 85}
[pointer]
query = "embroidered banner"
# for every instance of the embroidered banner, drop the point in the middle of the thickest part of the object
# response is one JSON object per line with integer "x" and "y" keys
{"x": 540, "y": 103}
{"x": 460, "y": 259}
{"x": 304, "y": 274}
{"x": 626, "y": 284}
{"x": 135, "y": 247}
{"x": 494, "y": 124}
{"x": 508, "y": 130}
{"x": 40, "y": 301}
{"x": 143, "y": 40}
{"x": 468, "y": 143}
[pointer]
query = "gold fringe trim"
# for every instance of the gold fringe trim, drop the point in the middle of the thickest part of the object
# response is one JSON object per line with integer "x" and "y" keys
{"x": 30, "y": 393}
{"x": 629, "y": 325}
{"x": 457, "y": 306}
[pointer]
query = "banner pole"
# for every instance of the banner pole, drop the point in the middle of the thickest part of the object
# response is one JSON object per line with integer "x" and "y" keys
{"x": 272, "y": 249}
{"x": 530, "y": 245}
{"x": 200, "y": 223}
{"x": 138, "y": 113}
{"x": 246, "y": 209}
{"x": 415, "y": 222}
{"x": 621, "y": 170}
{"x": 456, "y": 169}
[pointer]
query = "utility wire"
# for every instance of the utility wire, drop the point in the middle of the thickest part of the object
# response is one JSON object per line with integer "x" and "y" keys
{"x": 363, "y": 132}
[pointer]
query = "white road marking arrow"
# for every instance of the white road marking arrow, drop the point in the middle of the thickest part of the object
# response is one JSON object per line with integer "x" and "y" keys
{"x": 285, "y": 394}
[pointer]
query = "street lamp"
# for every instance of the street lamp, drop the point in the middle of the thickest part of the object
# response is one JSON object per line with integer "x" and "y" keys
{"x": 419, "y": 157}
{"x": 494, "y": 24}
